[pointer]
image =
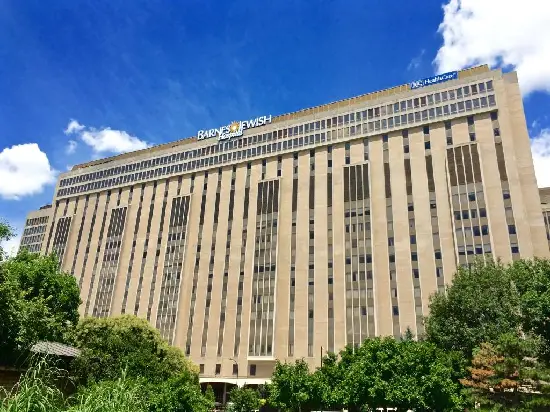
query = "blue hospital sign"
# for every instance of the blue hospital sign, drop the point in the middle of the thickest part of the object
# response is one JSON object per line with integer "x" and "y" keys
{"x": 440, "y": 78}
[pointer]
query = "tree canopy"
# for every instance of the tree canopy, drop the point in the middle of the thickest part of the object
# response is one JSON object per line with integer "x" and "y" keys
{"x": 37, "y": 302}
{"x": 6, "y": 233}
{"x": 291, "y": 386}
{"x": 532, "y": 281}
{"x": 382, "y": 372}
{"x": 481, "y": 305}
{"x": 244, "y": 399}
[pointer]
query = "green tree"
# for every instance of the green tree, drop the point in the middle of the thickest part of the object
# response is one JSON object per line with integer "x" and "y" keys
{"x": 110, "y": 345}
{"x": 480, "y": 306}
{"x": 532, "y": 281}
{"x": 37, "y": 302}
{"x": 6, "y": 233}
{"x": 291, "y": 386}
{"x": 209, "y": 394}
{"x": 328, "y": 391}
{"x": 178, "y": 394}
{"x": 507, "y": 374}
{"x": 244, "y": 399}
{"x": 401, "y": 374}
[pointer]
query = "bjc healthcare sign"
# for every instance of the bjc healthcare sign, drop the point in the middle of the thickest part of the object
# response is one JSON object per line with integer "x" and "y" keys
{"x": 440, "y": 78}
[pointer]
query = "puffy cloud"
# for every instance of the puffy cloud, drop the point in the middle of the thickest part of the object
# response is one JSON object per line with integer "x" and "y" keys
{"x": 105, "y": 140}
{"x": 71, "y": 147}
{"x": 499, "y": 33}
{"x": 540, "y": 147}
{"x": 24, "y": 171}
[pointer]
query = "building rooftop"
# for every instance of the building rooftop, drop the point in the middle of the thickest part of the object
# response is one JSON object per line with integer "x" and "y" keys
{"x": 285, "y": 117}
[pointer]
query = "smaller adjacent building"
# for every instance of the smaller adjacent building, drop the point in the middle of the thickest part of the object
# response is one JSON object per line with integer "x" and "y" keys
{"x": 545, "y": 203}
{"x": 35, "y": 229}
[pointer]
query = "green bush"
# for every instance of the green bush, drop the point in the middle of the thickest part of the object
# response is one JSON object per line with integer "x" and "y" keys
{"x": 125, "y": 343}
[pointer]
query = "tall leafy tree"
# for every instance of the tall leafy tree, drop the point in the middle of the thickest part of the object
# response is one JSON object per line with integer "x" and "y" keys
{"x": 532, "y": 281}
{"x": 508, "y": 374}
{"x": 291, "y": 386}
{"x": 328, "y": 391}
{"x": 244, "y": 400}
{"x": 480, "y": 306}
{"x": 37, "y": 302}
{"x": 6, "y": 233}
{"x": 402, "y": 374}
{"x": 181, "y": 392}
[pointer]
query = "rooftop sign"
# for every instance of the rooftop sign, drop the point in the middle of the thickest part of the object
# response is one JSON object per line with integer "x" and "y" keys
{"x": 440, "y": 78}
{"x": 234, "y": 129}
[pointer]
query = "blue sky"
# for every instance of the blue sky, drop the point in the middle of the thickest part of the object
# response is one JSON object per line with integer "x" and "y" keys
{"x": 136, "y": 73}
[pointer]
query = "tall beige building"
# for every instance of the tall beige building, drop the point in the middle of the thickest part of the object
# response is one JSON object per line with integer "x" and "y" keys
{"x": 288, "y": 236}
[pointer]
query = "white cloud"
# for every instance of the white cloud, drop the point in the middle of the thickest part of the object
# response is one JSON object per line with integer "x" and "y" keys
{"x": 24, "y": 171}
{"x": 106, "y": 140}
{"x": 71, "y": 147}
{"x": 500, "y": 33}
{"x": 73, "y": 127}
{"x": 540, "y": 147}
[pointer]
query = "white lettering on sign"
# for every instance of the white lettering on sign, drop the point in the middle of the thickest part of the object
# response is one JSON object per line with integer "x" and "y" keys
{"x": 234, "y": 129}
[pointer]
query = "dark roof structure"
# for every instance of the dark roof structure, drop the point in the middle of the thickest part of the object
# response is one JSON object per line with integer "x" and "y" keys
{"x": 55, "y": 348}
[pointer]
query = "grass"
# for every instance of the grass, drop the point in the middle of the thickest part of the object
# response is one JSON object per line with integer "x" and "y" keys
{"x": 37, "y": 392}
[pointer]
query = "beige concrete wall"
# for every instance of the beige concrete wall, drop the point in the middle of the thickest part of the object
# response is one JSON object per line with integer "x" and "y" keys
{"x": 422, "y": 216}
{"x": 403, "y": 266}
{"x": 379, "y": 225}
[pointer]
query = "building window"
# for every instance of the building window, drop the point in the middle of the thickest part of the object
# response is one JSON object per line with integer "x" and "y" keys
{"x": 201, "y": 368}
{"x": 416, "y": 274}
{"x": 512, "y": 229}
{"x": 395, "y": 311}
{"x": 218, "y": 368}
{"x": 252, "y": 370}
{"x": 235, "y": 369}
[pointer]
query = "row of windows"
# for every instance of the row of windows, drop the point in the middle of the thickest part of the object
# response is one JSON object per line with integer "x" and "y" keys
{"x": 265, "y": 149}
{"x": 337, "y": 121}
{"x": 37, "y": 221}
{"x": 27, "y": 240}
{"x": 34, "y": 230}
